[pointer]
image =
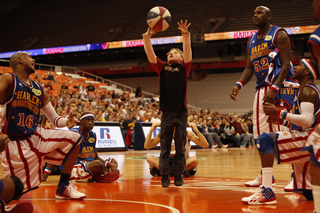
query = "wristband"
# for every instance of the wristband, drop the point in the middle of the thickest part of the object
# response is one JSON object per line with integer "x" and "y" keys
{"x": 107, "y": 162}
{"x": 282, "y": 114}
{"x": 47, "y": 170}
{"x": 240, "y": 84}
{"x": 275, "y": 87}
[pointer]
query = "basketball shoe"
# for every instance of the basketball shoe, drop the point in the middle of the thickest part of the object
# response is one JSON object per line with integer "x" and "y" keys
{"x": 165, "y": 181}
{"x": 21, "y": 207}
{"x": 69, "y": 192}
{"x": 289, "y": 187}
{"x": 258, "y": 181}
{"x": 178, "y": 180}
{"x": 264, "y": 196}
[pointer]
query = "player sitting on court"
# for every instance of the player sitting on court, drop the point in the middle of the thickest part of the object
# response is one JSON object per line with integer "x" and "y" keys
{"x": 89, "y": 164}
{"x": 191, "y": 162}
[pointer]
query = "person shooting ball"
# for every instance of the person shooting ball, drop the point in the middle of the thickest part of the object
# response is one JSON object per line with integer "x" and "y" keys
{"x": 173, "y": 102}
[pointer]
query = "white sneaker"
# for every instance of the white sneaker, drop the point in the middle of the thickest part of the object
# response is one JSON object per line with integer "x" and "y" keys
{"x": 264, "y": 197}
{"x": 70, "y": 192}
{"x": 257, "y": 182}
{"x": 289, "y": 187}
{"x": 19, "y": 207}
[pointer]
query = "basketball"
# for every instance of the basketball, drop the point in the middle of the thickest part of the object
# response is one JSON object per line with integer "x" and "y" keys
{"x": 159, "y": 18}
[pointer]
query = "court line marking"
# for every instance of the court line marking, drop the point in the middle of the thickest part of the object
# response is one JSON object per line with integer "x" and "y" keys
{"x": 174, "y": 210}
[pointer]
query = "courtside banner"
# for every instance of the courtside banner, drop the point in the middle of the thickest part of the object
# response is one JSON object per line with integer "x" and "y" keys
{"x": 109, "y": 136}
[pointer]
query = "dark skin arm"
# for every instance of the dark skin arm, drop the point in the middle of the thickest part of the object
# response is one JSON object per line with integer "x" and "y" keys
{"x": 284, "y": 45}
{"x": 5, "y": 86}
{"x": 245, "y": 77}
{"x": 316, "y": 53}
{"x": 307, "y": 95}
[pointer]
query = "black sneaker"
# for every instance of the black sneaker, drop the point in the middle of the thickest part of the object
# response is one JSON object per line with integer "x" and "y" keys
{"x": 178, "y": 180}
{"x": 154, "y": 172}
{"x": 165, "y": 181}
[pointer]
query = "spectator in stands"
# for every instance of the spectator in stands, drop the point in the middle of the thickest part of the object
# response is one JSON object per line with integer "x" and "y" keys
{"x": 50, "y": 76}
{"x": 240, "y": 133}
{"x": 138, "y": 93}
{"x": 48, "y": 86}
{"x": 250, "y": 126}
{"x": 83, "y": 94}
{"x": 246, "y": 130}
{"x": 155, "y": 117}
{"x": 90, "y": 87}
{"x": 64, "y": 86}
{"x": 149, "y": 117}
{"x": 230, "y": 136}
{"x": 210, "y": 136}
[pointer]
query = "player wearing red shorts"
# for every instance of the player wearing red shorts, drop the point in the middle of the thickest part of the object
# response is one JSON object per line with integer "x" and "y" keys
{"x": 30, "y": 144}
{"x": 286, "y": 146}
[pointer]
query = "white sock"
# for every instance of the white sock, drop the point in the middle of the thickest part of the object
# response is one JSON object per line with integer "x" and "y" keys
{"x": 267, "y": 177}
{"x": 316, "y": 197}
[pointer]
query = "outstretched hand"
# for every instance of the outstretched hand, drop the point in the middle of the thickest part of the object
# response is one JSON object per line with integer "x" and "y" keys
{"x": 71, "y": 122}
{"x": 183, "y": 27}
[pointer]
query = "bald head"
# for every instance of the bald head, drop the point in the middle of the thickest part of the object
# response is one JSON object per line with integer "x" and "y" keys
{"x": 14, "y": 59}
{"x": 266, "y": 9}
{"x": 22, "y": 61}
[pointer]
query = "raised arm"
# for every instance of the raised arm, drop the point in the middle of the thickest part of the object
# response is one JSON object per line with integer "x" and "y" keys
{"x": 245, "y": 77}
{"x": 150, "y": 143}
{"x": 183, "y": 27}
{"x": 197, "y": 138}
{"x": 148, "y": 46}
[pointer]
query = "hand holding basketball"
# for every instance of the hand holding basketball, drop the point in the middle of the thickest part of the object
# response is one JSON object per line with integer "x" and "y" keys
{"x": 150, "y": 32}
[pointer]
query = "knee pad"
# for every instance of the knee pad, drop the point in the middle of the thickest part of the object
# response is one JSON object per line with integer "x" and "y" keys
{"x": 18, "y": 187}
{"x": 265, "y": 143}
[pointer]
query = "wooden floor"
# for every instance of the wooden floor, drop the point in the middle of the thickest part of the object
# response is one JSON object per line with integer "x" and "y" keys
{"x": 217, "y": 187}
